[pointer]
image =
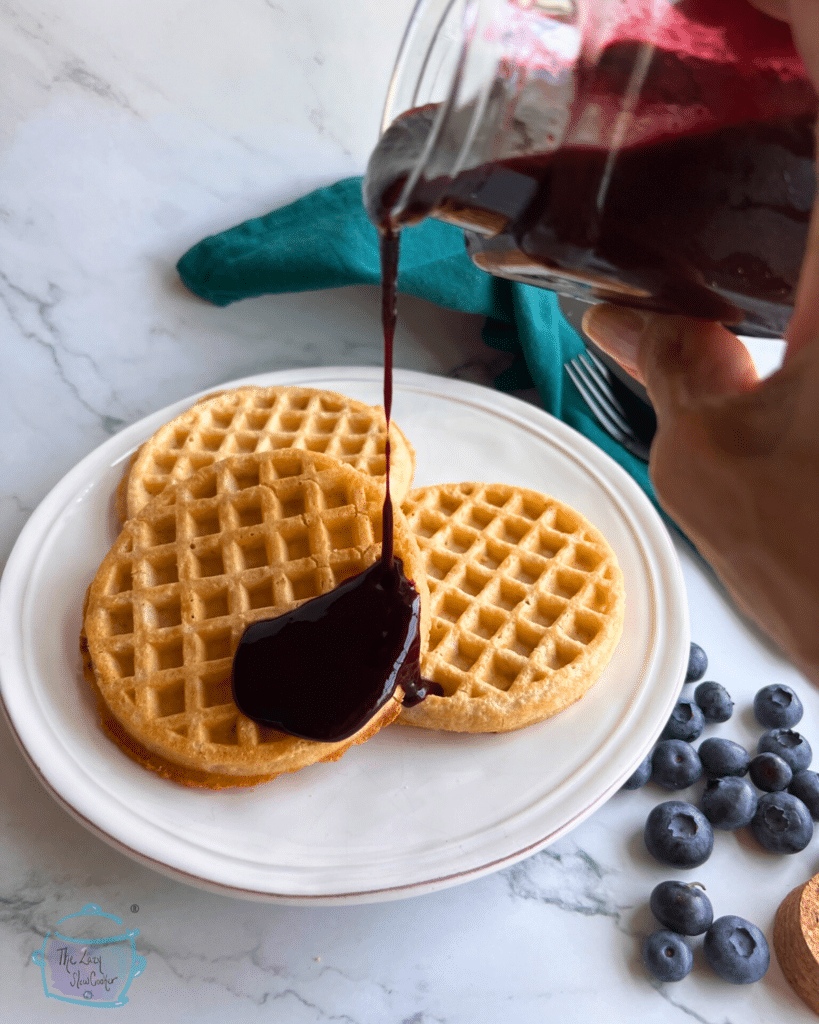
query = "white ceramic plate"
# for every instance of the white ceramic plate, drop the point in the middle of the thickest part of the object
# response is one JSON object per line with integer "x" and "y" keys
{"x": 410, "y": 811}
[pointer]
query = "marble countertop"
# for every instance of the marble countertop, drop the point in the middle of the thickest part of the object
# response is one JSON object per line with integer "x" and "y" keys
{"x": 128, "y": 132}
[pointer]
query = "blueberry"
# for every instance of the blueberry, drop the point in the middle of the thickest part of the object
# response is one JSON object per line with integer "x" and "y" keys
{"x": 721, "y": 757}
{"x": 675, "y": 765}
{"x": 737, "y": 950}
{"x": 686, "y": 722}
{"x": 697, "y": 664}
{"x": 682, "y": 906}
{"x": 667, "y": 955}
{"x": 805, "y": 787}
{"x": 791, "y": 746}
{"x": 729, "y": 803}
{"x": 769, "y": 772}
{"x": 782, "y": 823}
{"x": 679, "y": 834}
{"x": 714, "y": 702}
{"x": 777, "y": 707}
{"x": 640, "y": 776}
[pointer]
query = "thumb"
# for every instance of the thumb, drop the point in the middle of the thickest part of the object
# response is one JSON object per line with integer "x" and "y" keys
{"x": 690, "y": 363}
{"x": 682, "y": 362}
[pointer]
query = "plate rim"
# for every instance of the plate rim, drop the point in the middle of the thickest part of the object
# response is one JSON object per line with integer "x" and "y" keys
{"x": 614, "y": 478}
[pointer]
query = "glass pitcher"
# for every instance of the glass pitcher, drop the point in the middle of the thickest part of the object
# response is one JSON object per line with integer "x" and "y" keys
{"x": 637, "y": 151}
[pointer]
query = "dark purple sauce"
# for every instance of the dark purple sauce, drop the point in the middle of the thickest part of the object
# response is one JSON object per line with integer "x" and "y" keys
{"x": 389, "y": 249}
{"x": 710, "y": 224}
{"x": 323, "y": 670}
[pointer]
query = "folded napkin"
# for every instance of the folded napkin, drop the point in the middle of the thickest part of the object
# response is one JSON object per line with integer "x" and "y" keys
{"x": 326, "y": 240}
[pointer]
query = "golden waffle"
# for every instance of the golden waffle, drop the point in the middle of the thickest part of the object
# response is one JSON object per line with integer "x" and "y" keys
{"x": 246, "y": 538}
{"x": 251, "y": 419}
{"x": 527, "y": 605}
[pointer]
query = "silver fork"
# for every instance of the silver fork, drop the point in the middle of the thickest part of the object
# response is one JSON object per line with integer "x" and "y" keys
{"x": 592, "y": 379}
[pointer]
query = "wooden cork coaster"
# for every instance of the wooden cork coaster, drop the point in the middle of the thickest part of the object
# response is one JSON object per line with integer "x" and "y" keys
{"x": 796, "y": 941}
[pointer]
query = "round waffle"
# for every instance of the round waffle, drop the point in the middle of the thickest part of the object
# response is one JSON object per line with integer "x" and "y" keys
{"x": 251, "y": 419}
{"x": 246, "y": 538}
{"x": 527, "y": 605}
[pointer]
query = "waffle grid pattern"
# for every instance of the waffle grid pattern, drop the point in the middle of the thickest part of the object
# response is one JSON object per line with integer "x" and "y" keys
{"x": 252, "y": 419}
{"x": 245, "y": 538}
{"x": 526, "y": 602}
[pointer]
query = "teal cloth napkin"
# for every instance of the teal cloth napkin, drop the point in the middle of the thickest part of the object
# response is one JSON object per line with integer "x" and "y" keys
{"x": 326, "y": 240}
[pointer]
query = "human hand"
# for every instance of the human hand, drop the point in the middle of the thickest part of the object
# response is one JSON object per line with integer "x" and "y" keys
{"x": 735, "y": 460}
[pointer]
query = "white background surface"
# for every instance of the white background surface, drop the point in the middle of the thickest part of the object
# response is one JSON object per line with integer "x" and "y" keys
{"x": 127, "y": 132}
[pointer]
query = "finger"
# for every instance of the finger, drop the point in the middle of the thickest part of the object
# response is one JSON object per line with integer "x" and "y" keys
{"x": 677, "y": 358}
{"x": 804, "y": 325}
{"x": 804, "y": 18}
{"x": 803, "y": 328}
{"x": 617, "y": 331}
{"x": 686, "y": 362}
{"x": 775, "y": 8}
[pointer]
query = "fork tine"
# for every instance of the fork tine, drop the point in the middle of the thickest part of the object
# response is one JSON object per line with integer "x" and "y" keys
{"x": 593, "y": 382}
{"x": 589, "y": 392}
{"x": 598, "y": 362}
{"x": 597, "y": 383}
{"x": 597, "y": 379}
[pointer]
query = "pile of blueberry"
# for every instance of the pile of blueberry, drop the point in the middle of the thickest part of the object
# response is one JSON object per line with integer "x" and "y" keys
{"x": 736, "y": 949}
{"x": 779, "y": 804}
